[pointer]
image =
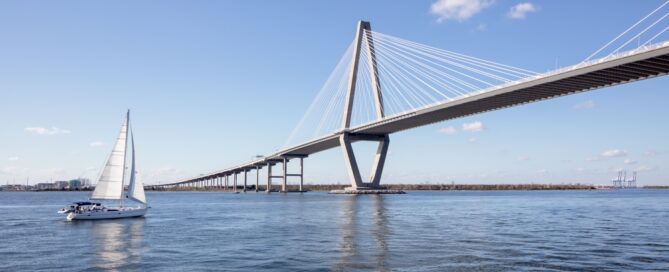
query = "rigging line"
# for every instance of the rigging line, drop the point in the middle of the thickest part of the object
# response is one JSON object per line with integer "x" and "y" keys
{"x": 324, "y": 114}
{"x": 337, "y": 110}
{"x": 411, "y": 93}
{"x": 397, "y": 91}
{"x": 364, "y": 84}
{"x": 391, "y": 101}
{"x": 338, "y": 86}
{"x": 371, "y": 95}
{"x": 436, "y": 55}
{"x": 393, "y": 104}
{"x": 476, "y": 71}
{"x": 332, "y": 101}
{"x": 457, "y": 80}
{"x": 407, "y": 88}
{"x": 391, "y": 66}
{"x": 334, "y": 120}
{"x": 368, "y": 104}
{"x": 429, "y": 95}
{"x": 373, "y": 72}
{"x": 625, "y": 32}
{"x": 319, "y": 95}
{"x": 447, "y": 52}
{"x": 452, "y": 54}
{"x": 656, "y": 35}
{"x": 436, "y": 72}
{"x": 448, "y": 68}
{"x": 637, "y": 35}
{"x": 401, "y": 65}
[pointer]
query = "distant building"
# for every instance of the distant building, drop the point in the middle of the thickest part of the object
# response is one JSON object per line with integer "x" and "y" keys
{"x": 85, "y": 183}
{"x": 45, "y": 186}
{"x": 75, "y": 184}
{"x": 13, "y": 187}
{"x": 59, "y": 185}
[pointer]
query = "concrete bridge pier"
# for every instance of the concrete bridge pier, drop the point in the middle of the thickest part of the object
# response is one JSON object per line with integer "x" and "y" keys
{"x": 285, "y": 160}
{"x": 257, "y": 176}
{"x": 235, "y": 182}
{"x": 346, "y": 138}
{"x": 226, "y": 181}
{"x": 269, "y": 177}
{"x": 374, "y": 181}
{"x": 245, "y": 172}
{"x": 285, "y": 175}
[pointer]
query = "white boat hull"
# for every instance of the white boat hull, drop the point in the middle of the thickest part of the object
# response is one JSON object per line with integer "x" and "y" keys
{"x": 107, "y": 214}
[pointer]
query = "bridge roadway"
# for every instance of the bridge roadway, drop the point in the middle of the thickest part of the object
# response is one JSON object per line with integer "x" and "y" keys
{"x": 639, "y": 64}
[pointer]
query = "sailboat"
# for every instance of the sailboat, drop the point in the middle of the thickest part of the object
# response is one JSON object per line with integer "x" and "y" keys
{"x": 110, "y": 185}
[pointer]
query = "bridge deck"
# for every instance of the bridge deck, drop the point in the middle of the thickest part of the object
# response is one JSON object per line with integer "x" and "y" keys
{"x": 625, "y": 68}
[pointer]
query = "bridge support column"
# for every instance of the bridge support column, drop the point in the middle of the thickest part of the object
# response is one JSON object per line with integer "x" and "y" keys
{"x": 285, "y": 159}
{"x": 374, "y": 181}
{"x": 257, "y": 177}
{"x": 269, "y": 178}
{"x": 235, "y": 183}
{"x": 226, "y": 181}
{"x": 285, "y": 175}
{"x": 301, "y": 173}
{"x": 245, "y": 172}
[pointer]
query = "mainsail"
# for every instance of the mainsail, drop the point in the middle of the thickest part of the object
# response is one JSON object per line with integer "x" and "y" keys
{"x": 110, "y": 183}
{"x": 135, "y": 188}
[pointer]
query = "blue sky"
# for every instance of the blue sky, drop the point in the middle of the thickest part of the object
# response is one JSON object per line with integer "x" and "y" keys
{"x": 213, "y": 83}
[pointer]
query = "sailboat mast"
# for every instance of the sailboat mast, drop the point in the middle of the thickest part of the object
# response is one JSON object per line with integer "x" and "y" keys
{"x": 125, "y": 149}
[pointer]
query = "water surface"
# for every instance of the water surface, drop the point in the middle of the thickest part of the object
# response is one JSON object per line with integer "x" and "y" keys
{"x": 419, "y": 231}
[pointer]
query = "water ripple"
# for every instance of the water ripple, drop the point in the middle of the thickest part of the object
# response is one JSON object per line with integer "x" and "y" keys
{"x": 420, "y": 231}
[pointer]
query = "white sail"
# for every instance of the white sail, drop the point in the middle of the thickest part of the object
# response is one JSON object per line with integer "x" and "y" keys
{"x": 135, "y": 188}
{"x": 110, "y": 183}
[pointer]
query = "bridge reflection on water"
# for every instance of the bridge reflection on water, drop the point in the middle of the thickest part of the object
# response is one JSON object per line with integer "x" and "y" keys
{"x": 363, "y": 232}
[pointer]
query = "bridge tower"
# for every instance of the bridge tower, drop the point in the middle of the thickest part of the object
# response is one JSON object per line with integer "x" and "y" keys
{"x": 347, "y": 138}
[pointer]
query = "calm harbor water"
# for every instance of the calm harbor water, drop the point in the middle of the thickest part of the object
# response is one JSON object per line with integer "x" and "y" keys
{"x": 419, "y": 231}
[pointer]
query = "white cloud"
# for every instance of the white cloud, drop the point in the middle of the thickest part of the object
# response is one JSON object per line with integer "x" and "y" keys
{"x": 450, "y": 130}
{"x": 458, "y": 10}
{"x": 585, "y": 105}
{"x": 472, "y": 140}
{"x": 523, "y": 158}
{"x": 473, "y": 127}
{"x": 96, "y": 144}
{"x": 542, "y": 172}
{"x": 628, "y": 161}
{"x": 15, "y": 158}
{"x": 612, "y": 153}
{"x": 580, "y": 169}
{"x": 47, "y": 131}
{"x": 520, "y": 10}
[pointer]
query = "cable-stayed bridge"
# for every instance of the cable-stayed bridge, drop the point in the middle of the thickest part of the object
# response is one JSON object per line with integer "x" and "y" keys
{"x": 384, "y": 84}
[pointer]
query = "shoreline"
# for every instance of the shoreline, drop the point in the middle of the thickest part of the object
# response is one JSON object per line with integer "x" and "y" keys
{"x": 413, "y": 187}
{"x": 402, "y": 187}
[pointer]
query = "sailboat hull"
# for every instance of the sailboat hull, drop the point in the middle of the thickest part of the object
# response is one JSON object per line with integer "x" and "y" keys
{"x": 107, "y": 214}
